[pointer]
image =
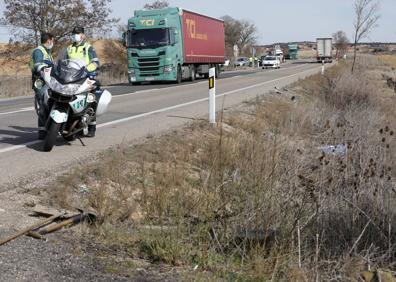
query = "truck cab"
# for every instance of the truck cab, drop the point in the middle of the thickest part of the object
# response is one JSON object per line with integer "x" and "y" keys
{"x": 154, "y": 46}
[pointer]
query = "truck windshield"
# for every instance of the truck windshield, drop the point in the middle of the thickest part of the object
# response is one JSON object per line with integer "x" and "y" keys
{"x": 148, "y": 38}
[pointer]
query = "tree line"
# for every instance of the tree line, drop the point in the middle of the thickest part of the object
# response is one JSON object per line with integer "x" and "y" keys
{"x": 28, "y": 19}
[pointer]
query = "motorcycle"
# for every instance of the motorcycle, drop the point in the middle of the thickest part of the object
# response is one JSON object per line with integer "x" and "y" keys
{"x": 72, "y": 99}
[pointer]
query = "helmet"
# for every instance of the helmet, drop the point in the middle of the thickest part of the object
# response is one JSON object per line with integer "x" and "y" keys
{"x": 78, "y": 30}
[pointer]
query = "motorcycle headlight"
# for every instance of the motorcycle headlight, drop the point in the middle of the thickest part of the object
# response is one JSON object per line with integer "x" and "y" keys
{"x": 91, "y": 98}
{"x": 38, "y": 83}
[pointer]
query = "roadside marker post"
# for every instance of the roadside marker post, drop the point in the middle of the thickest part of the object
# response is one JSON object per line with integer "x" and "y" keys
{"x": 212, "y": 97}
{"x": 323, "y": 67}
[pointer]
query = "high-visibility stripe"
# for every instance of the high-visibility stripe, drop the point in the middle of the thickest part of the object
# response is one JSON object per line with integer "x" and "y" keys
{"x": 75, "y": 52}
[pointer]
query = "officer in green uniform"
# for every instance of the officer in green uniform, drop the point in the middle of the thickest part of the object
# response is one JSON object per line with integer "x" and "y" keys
{"x": 82, "y": 50}
{"x": 41, "y": 57}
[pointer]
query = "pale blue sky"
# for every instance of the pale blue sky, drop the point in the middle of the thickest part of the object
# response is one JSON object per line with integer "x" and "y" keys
{"x": 277, "y": 21}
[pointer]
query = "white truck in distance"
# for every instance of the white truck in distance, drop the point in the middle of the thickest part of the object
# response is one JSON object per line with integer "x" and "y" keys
{"x": 324, "y": 48}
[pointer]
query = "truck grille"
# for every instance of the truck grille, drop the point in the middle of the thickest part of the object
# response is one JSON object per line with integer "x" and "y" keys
{"x": 149, "y": 66}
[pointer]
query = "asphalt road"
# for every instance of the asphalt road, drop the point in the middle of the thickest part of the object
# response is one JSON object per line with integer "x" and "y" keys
{"x": 135, "y": 112}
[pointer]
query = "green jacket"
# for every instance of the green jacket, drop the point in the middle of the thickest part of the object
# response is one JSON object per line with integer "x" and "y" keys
{"x": 39, "y": 56}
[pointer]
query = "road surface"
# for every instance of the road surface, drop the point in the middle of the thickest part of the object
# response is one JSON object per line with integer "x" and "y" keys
{"x": 135, "y": 112}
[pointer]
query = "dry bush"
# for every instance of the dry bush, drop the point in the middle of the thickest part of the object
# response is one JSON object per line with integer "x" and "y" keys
{"x": 263, "y": 196}
{"x": 114, "y": 68}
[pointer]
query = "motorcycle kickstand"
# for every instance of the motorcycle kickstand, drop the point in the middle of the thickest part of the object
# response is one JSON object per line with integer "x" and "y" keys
{"x": 82, "y": 143}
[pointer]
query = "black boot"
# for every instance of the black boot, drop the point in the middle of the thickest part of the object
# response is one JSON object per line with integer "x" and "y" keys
{"x": 42, "y": 134}
{"x": 91, "y": 131}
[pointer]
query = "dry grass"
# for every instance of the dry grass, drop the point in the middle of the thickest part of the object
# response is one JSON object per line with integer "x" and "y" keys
{"x": 15, "y": 73}
{"x": 257, "y": 199}
{"x": 389, "y": 60}
{"x": 307, "y": 54}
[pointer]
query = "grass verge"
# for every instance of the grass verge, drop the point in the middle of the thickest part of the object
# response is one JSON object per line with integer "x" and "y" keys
{"x": 291, "y": 187}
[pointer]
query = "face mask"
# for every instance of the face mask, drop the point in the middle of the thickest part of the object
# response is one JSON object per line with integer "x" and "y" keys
{"x": 77, "y": 38}
{"x": 50, "y": 46}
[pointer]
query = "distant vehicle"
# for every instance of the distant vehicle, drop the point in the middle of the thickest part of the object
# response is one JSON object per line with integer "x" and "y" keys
{"x": 324, "y": 47}
{"x": 226, "y": 63}
{"x": 292, "y": 51}
{"x": 271, "y": 62}
{"x": 241, "y": 62}
{"x": 279, "y": 53}
{"x": 261, "y": 60}
{"x": 173, "y": 44}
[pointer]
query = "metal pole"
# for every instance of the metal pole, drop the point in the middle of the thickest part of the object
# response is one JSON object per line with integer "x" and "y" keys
{"x": 212, "y": 96}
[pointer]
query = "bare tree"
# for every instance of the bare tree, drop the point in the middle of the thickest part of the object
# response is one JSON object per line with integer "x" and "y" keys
{"x": 367, "y": 16}
{"x": 248, "y": 34}
{"x": 29, "y": 18}
{"x": 232, "y": 31}
{"x": 239, "y": 32}
{"x": 341, "y": 43}
{"x": 159, "y": 4}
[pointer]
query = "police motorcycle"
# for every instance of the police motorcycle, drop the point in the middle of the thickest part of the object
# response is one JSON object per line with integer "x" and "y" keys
{"x": 72, "y": 99}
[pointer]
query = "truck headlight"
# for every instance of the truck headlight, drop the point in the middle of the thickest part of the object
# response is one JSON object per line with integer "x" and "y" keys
{"x": 131, "y": 72}
{"x": 168, "y": 69}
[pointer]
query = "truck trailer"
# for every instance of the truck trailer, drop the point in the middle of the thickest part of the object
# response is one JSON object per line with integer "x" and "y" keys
{"x": 173, "y": 44}
{"x": 324, "y": 49}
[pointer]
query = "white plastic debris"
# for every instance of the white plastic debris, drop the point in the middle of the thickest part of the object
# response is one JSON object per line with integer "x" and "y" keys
{"x": 339, "y": 149}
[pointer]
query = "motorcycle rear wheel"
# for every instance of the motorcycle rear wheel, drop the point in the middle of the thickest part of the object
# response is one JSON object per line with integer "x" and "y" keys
{"x": 52, "y": 133}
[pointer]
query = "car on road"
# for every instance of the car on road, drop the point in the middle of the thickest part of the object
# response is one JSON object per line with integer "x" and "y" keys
{"x": 271, "y": 62}
{"x": 227, "y": 63}
{"x": 241, "y": 62}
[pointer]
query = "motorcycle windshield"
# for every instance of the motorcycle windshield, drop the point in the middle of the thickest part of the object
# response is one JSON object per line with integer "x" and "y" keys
{"x": 69, "y": 71}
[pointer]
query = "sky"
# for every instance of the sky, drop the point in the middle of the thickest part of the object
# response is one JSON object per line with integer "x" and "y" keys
{"x": 277, "y": 21}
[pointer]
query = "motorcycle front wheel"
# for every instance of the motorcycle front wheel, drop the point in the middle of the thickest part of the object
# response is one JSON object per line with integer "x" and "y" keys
{"x": 52, "y": 133}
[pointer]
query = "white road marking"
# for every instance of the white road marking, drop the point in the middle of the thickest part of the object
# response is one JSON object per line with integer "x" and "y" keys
{"x": 188, "y": 85}
{"x": 137, "y": 92}
{"x": 18, "y": 111}
{"x": 196, "y": 101}
{"x": 114, "y": 122}
{"x": 16, "y": 147}
{"x": 132, "y": 93}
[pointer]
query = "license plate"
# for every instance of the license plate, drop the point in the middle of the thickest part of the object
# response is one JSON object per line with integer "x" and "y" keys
{"x": 149, "y": 78}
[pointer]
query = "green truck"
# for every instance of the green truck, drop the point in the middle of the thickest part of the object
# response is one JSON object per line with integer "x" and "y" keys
{"x": 173, "y": 44}
{"x": 293, "y": 51}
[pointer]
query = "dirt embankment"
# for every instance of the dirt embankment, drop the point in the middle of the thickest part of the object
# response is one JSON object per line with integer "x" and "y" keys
{"x": 16, "y": 62}
{"x": 15, "y": 75}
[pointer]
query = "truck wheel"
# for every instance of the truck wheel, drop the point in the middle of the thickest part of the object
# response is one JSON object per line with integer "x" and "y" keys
{"x": 217, "y": 71}
{"x": 179, "y": 75}
{"x": 193, "y": 74}
{"x": 50, "y": 139}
